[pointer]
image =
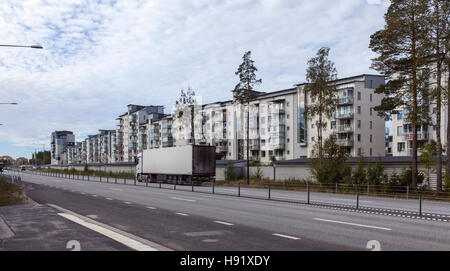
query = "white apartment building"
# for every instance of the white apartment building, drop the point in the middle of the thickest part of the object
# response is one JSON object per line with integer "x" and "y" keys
{"x": 60, "y": 141}
{"x": 402, "y": 141}
{"x": 277, "y": 126}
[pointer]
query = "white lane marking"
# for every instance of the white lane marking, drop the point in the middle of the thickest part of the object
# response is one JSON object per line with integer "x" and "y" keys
{"x": 191, "y": 200}
{"x": 183, "y": 214}
{"x": 109, "y": 198}
{"x": 136, "y": 245}
{"x": 94, "y": 195}
{"x": 116, "y": 189}
{"x": 127, "y": 202}
{"x": 353, "y": 224}
{"x": 366, "y": 201}
{"x": 223, "y": 223}
{"x": 150, "y": 207}
{"x": 83, "y": 193}
{"x": 286, "y": 236}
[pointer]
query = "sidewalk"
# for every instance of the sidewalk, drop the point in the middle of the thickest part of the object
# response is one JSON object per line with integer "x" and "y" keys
{"x": 35, "y": 227}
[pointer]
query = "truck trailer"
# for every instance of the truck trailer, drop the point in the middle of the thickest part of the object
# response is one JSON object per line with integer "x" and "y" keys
{"x": 181, "y": 165}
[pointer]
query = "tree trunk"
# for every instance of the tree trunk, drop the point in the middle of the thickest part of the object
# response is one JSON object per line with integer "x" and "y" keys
{"x": 447, "y": 168}
{"x": 414, "y": 90}
{"x": 438, "y": 100}
{"x": 248, "y": 141}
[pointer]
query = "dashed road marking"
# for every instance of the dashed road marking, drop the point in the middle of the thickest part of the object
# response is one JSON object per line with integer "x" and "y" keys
{"x": 286, "y": 236}
{"x": 223, "y": 223}
{"x": 353, "y": 224}
{"x": 150, "y": 207}
{"x": 182, "y": 214}
{"x": 183, "y": 199}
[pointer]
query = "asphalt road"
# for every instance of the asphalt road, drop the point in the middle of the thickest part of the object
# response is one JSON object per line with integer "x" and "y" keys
{"x": 396, "y": 204}
{"x": 184, "y": 220}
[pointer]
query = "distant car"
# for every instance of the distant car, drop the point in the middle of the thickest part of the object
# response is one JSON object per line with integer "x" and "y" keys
{"x": 23, "y": 168}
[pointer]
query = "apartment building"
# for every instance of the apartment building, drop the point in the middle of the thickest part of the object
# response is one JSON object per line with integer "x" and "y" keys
{"x": 402, "y": 141}
{"x": 59, "y": 142}
{"x": 278, "y": 128}
{"x": 133, "y": 129}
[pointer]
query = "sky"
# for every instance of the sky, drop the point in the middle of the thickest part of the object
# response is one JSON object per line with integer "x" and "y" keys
{"x": 101, "y": 55}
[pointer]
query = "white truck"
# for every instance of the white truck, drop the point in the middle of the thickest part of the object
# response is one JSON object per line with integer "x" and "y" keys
{"x": 181, "y": 165}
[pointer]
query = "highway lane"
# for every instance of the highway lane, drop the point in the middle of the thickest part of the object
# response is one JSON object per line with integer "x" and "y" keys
{"x": 410, "y": 205}
{"x": 337, "y": 228}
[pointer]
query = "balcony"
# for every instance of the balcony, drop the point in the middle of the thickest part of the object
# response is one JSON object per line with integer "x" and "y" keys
{"x": 277, "y": 146}
{"x": 344, "y": 142}
{"x": 344, "y": 129}
{"x": 347, "y": 115}
{"x": 254, "y": 146}
{"x": 420, "y": 136}
{"x": 345, "y": 101}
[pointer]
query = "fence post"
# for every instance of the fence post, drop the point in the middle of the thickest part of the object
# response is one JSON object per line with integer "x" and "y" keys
{"x": 159, "y": 184}
{"x": 213, "y": 184}
{"x": 309, "y": 191}
{"x": 100, "y": 178}
{"x": 175, "y": 185}
{"x": 115, "y": 179}
{"x": 407, "y": 192}
{"x": 239, "y": 189}
{"x": 134, "y": 180}
{"x": 357, "y": 199}
{"x": 269, "y": 190}
{"x": 368, "y": 189}
{"x": 192, "y": 184}
{"x": 420, "y": 204}
{"x": 336, "y": 188}
{"x": 88, "y": 177}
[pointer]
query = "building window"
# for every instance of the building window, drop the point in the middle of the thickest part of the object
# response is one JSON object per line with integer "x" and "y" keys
{"x": 288, "y": 140}
{"x": 359, "y": 137}
{"x": 401, "y": 146}
{"x": 400, "y": 115}
{"x": 312, "y": 125}
{"x": 270, "y": 153}
{"x": 263, "y": 153}
{"x": 359, "y": 96}
{"x": 287, "y": 116}
{"x": 287, "y": 128}
{"x": 371, "y": 110}
{"x": 370, "y": 96}
{"x": 312, "y": 139}
{"x": 370, "y": 124}
{"x": 359, "y": 123}
{"x": 288, "y": 152}
{"x": 359, "y": 109}
{"x": 263, "y": 120}
{"x": 370, "y": 151}
{"x": 333, "y": 124}
{"x": 370, "y": 138}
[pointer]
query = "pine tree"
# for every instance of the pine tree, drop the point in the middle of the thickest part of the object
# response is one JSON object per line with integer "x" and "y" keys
{"x": 185, "y": 106}
{"x": 439, "y": 37}
{"x": 319, "y": 76}
{"x": 242, "y": 92}
{"x": 402, "y": 46}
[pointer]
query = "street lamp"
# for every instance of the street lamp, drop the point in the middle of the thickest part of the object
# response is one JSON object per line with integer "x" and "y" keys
{"x": 26, "y": 46}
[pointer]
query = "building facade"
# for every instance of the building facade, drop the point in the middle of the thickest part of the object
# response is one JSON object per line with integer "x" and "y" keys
{"x": 278, "y": 128}
{"x": 60, "y": 142}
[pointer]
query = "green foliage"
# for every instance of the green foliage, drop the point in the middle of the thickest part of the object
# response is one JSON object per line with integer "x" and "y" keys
{"x": 319, "y": 75}
{"x": 230, "y": 175}
{"x": 426, "y": 157}
{"x": 258, "y": 174}
{"x": 359, "y": 175}
{"x": 332, "y": 168}
{"x": 86, "y": 168}
{"x": 375, "y": 173}
{"x": 10, "y": 193}
{"x": 242, "y": 92}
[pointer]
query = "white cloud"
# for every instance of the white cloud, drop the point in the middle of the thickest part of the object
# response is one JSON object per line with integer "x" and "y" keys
{"x": 100, "y": 56}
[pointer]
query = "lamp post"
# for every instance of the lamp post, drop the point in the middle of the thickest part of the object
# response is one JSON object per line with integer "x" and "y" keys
{"x": 25, "y": 46}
